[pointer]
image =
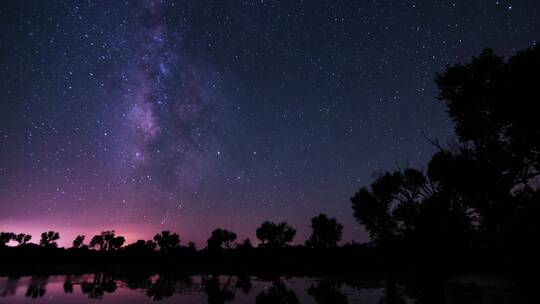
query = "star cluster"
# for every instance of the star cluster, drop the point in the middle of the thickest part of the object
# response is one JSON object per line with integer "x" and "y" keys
{"x": 190, "y": 115}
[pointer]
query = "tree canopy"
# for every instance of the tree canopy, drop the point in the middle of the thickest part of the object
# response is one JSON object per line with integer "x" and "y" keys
{"x": 167, "y": 240}
{"x": 107, "y": 240}
{"x": 221, "y": 238}
{"x": 275, "y": 235}
{"x": 483, "y": 184}
{"x": 48, "y": 239}
{"x": 326, "y": 233}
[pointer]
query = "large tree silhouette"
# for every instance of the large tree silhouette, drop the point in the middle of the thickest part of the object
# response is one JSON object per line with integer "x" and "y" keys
{"x": 483, "y": 184}
{"x": 274, "y": 235}
{"x": 326, "y": 232}
{"x": 490, "y": 100}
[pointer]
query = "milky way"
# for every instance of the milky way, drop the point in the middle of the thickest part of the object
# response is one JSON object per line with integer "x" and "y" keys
{"x": 169, "y": 111}
{"x": 141, "y": 116}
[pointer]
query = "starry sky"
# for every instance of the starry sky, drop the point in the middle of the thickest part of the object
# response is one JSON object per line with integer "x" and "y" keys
{"x": 141, "y": 116}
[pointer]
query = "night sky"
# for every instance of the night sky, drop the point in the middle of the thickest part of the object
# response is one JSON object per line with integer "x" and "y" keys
{"x": 141, "y": 116}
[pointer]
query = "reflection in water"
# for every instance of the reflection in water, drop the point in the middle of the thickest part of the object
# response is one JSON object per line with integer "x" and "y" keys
{"x": 328, "y": 292}
{"x": 68, "y": 286}
{"x": 216, "y": 292}
{"x": 166, "y": 285}
{"x": 37, "y": 287}
{"x": 278, "y": 294}
{"x": 162, "y": 288}
{"x": 101, "y": 284}
{"x": 220, "y": 289}
{"x": 10, "y": 287}
{"x": 393, "y": 294}
{"x": 244, "y": 283}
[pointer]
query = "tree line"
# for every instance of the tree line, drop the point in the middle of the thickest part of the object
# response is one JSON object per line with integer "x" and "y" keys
{"x": 326, "y": 233}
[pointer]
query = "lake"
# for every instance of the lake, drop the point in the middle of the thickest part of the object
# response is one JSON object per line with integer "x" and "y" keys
{"x": 175, "y": 288}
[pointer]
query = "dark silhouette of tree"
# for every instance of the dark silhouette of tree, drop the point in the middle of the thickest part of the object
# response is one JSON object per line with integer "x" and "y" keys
{"x": 6, "y": 237}
{"x": 407, "y": 203}
{"x": 167, "y": 240}
{"x": 214, "y": 292}
{"x": 192, "y": 246}
{"x": 326, "y": 233}
{"x": 489, "y": 100}
{"x": 107, "y": 240}
{"x": 221, "y": 238}
{"x": 22, "y": 238}
{"x": 326, "y": 292}
{"x": 48, "y": 239}
{"x": 274, "y": 235}
{"x": 78, "y": 241}
{"x": 481, "y": 188}
{"x": 277, "y": 294}
{"x": 373, "y": 207}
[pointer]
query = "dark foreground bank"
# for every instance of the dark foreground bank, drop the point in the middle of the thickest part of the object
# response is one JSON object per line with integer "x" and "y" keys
{"x": 349, "y": 260}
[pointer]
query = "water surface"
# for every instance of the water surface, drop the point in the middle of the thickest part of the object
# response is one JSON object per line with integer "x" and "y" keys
{"x": 175, "y": 288}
